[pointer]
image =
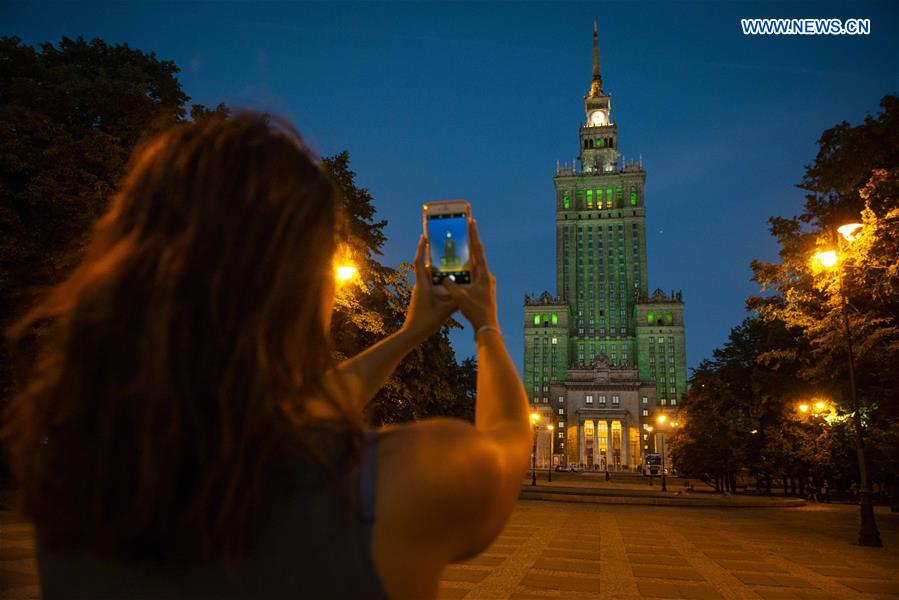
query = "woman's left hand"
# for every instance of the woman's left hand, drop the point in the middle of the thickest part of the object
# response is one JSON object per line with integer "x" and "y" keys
{"x": 427, "y": 310}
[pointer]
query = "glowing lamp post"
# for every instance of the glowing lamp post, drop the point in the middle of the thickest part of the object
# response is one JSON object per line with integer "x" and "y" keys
{"x": 661, "y": 419}
{"x": 868, "y": 534}
{"x": 535, "y": 418}
{"x": 552, "y": 451}
{"x": 344, "y": 272}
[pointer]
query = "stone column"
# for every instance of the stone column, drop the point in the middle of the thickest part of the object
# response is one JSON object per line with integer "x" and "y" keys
{"x": 581, "y": 450}
{"x": 625, "y": 444}
{"x": 609, "y": 444}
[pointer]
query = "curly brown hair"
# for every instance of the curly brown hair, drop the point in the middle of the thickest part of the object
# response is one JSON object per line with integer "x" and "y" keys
{"x": 175, "y": 363}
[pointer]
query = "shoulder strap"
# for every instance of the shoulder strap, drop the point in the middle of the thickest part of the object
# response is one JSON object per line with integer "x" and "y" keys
{"x": 368, "y": 473}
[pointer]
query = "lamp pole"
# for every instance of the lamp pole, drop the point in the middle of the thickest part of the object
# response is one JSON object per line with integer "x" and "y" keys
{"x": 534, "y": 418}
{"x": 552, "y": 451}
{"x": 661, "y": 420}
{"x": 664, "y": 482}
{"x": 868, "y": 534}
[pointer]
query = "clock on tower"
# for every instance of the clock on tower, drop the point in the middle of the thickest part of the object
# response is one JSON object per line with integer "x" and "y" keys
{"x": 597, "y": 118}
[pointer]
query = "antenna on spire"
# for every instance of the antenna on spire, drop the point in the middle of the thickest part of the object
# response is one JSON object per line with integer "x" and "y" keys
{"x": 596, "y": 85}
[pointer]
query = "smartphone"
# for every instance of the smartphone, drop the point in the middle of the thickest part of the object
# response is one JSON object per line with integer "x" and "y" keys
{"x": 446, "y": 229}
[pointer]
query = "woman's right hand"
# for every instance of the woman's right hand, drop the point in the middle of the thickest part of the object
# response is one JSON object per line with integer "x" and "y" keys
{"x": 478, "y": 300}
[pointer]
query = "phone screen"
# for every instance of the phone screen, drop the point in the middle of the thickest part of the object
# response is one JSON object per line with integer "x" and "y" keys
{"x": 448, "y": 239}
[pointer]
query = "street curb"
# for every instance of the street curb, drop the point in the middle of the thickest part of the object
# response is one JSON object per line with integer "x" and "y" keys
{"x": 657, "y": 501}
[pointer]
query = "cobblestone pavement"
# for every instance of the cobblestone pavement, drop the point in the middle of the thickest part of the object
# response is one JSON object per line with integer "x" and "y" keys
{"x": 580, "y": 551}
{"x": 560, "y": 550}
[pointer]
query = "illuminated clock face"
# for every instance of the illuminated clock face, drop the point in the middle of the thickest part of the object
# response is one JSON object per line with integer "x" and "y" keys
{"x": 597, "y": 117}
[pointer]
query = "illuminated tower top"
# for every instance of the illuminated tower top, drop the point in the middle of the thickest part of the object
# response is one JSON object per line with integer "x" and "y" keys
{"x": 599, "y": 135}
{"x": 596, "y": 86}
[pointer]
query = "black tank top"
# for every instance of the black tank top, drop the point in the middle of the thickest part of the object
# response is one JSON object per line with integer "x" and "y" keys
{"x": 314, "y": 541}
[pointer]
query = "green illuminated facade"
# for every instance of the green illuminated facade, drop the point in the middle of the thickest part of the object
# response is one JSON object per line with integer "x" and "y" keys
{"x": 603, "y": 315}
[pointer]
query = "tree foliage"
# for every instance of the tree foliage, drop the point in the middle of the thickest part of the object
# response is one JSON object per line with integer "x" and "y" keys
{"x": 739, "y": 413}
{"x": 71, "y": 115}
{"x": 854, "y": 179}
{"x": 428, "y": 382}
{"x": 755, "y": 380}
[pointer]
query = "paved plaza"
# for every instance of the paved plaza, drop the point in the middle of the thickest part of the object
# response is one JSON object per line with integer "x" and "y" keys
{"x": 566, "y": 550}
{"x": 560, "y": 550}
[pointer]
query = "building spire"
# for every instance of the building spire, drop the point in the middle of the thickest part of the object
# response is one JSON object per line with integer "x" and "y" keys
{"x": 596, "y": 86}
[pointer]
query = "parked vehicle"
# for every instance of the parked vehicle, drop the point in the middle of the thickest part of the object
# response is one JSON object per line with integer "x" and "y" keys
{"x": 652, "y": 464}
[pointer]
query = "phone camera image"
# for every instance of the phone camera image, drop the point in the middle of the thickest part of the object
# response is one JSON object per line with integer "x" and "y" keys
{"x": 448, "y": 239}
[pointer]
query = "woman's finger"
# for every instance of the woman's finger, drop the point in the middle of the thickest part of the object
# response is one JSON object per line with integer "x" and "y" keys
{"x": 455, "y": 292}
{"x": 421, "y": 271}
{"x": 477, "y": 249}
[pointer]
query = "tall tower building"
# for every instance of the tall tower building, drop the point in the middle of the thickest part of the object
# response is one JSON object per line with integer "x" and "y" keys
{"x": 603, "y": 356}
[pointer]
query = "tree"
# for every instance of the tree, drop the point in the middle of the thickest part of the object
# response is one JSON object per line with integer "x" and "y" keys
{"x": 70, "y": 118}
{"x": 854, "y": 178}
{"x": 428, "y": 382}
{"x": 737, "y": 413}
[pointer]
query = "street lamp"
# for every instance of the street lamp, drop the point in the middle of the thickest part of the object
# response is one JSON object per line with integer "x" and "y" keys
{"x": 535, "y": 417}
{"x": 345, "y": 272}
{"x": 661, "y": 421}
{"x": 868, "y": 534}
{"x": 552, "y": 451}
{"x": 648, "y": 429}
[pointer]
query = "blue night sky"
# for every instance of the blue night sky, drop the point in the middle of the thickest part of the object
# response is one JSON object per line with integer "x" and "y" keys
{"x": 479, "y": 101}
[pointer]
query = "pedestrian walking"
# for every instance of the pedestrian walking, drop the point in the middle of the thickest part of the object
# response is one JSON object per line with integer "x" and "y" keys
{"x": 809, "y": 490}
{"x": 853, "y": 491}
{"x": 187, "y": 431}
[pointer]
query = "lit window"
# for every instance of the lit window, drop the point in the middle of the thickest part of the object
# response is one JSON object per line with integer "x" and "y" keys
{"x": 645, "y": 413}
{"x": 561, "y": 433}
{"x": 589, "y": 399}
{"x": 649, "y": 318}
{"x": 663, "y": 401}
{"x": 561, "y": 425}
{"x": 673, "y": 402}
{"x": 669, "y": 318}
{"x": 565, "y": 199}
{"x": 554, "y": 318}
{"x": 555, "y": 341}
{"x": 561, "y": 399}
{"x": 561, "y": 411}
{"x": 536, "y": 319}
{"x": 645, "y": 436}
{"x": 602, "y": 400}
{"x": 616, "y": 400}
{"x": 644, "y": 400}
